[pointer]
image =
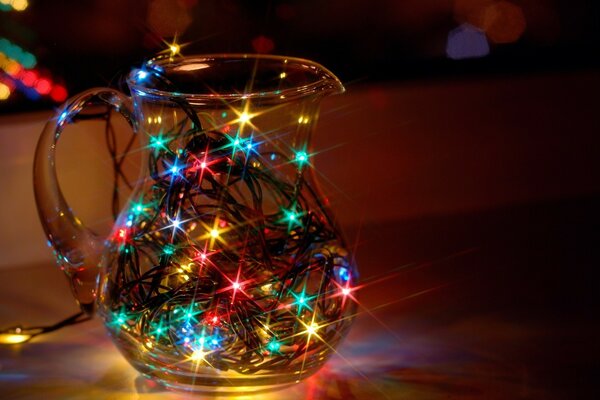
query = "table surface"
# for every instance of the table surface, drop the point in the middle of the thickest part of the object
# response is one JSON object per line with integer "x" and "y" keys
{"x": 475, "y": 229}
{"x": 490, "y": 305}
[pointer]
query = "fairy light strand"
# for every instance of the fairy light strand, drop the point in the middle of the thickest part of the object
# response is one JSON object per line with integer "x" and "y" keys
{"x": 282, "y": 269}
{"x": 203, "y": 273}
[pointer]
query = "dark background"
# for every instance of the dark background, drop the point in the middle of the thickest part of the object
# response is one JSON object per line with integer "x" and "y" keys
{"x": 81, "y": 44}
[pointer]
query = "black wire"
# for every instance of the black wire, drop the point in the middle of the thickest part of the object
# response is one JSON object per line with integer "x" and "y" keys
{"x": 34, "y": 331}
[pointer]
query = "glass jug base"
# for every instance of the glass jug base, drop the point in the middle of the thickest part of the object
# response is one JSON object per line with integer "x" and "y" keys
{"x": 223, "y": 390}
{"x": 201, "y": 377}
{"x": 173, "y": 380}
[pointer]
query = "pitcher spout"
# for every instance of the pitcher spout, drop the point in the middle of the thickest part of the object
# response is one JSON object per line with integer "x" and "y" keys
{"x": 331, "y": 83}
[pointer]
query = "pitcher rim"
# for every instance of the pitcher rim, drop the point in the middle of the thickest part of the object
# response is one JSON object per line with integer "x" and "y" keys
{"x": 327, "y": 83}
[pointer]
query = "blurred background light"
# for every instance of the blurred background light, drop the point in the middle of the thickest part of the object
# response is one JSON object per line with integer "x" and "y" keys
{"x": 4, "y": 91}
{"x": 94, "y": 43}
{"x": 262, "y": 44}
{"x": 11, "y": 50}
{"x": 503, "y": 22}
{"x": 19, "y": 5}
{"x": 169, "y": 17}
{"x": 467, "y": 41}
{"x": 16, "y": 5}
{"x": 58, "y": 94}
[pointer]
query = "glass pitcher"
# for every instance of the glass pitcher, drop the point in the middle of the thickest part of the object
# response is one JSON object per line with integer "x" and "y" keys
{"x": 225, "y": 271}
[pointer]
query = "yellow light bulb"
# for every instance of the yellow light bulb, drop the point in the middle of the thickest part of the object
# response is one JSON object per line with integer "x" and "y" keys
{"x": 312, "y": 328}
{"x": 214, "y": 233}
{"x": 12, "y": 338}
{"x": 174, "y": 49}
{"x": 244, "y": 117}
{"x": 198, "y": 355}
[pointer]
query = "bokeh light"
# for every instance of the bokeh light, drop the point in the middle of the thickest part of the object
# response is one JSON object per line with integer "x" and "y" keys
{"x": 58, "y": 93}
{"x": 503, "y": 22}
{"x": 169, "y": 18}
{"x": 467, "y": 41}
{"x": 17, "y": 5}
{"x": 471, "y": 11}
{"x": 43, "y": 86}
{"x": 4, "y": 91}
{"x": 15, "y": 52}
{"x": 262, "y": 44}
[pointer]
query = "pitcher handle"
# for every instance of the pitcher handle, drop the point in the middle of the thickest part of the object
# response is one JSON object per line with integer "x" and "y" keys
{"x": 77, "y": 249}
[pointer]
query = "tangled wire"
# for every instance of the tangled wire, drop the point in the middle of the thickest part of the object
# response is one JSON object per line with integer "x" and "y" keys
{"x": 222, "y": 262}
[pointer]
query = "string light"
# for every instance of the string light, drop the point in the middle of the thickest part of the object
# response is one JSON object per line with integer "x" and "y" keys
{"x": 141, "y": 75}
{"x": 16, "y": 335}
{"x": 174, "y": 48}
{"x": 244, "y": 117}
{"x": 198, "y": 355}
{"x": 169, "y": 250}
{"x": 301, "y": 157}
{"x": 343, "y": 274}
{"x": 273, "y": 346}
{"x": 158, "y": 142}
{"x": 312, "y": 329}
{"x": 8, "y": 338}
{"x": 215, "y": 321}
{"x": 292, "y": 217}
{"x": 138, "y": 208}
{"x": 236, "y": 269}
{"x": 208, "y": 271}
{"x": 303, "y": 301}
{"x": 303, "y": 119}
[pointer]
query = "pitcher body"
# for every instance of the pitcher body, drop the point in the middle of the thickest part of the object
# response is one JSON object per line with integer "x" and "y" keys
{"x": 226, "y": 270}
